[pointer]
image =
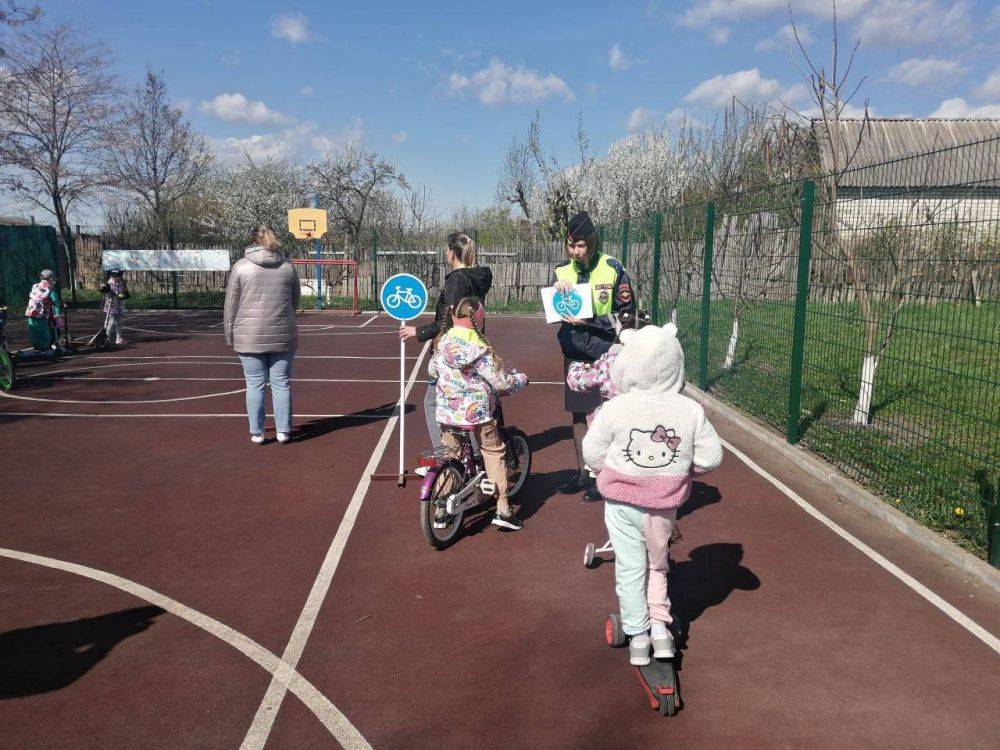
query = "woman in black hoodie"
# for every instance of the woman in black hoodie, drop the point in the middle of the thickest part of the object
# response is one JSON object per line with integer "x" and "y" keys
{"x": 466, "y": 279}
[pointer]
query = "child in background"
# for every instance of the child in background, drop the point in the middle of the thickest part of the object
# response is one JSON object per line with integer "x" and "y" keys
{"x": 645, "y": 445}
{"x": 44, "y": 312}
{"x": 470, "y": 380}
{"x": 115, "y": 292}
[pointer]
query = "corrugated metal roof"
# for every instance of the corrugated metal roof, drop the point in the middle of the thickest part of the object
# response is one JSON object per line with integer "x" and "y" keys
{"x": 920, "y": 153}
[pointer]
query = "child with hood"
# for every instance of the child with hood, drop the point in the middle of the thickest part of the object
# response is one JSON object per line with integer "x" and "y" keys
{"x": 115, "y": 292}
{"x": 44, "y": 311}
{"x": 470, "y": 379}
{"x": 645, "y": 445}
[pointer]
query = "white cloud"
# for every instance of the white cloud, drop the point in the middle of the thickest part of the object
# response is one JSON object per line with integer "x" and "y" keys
{"x": 959, "y": 108}
{"x": 499, "y": 84}
{"x": 639, "y": 119}
{"x": 905, "y": 22}
{"x": 920, "y": 72}
{"x": 231, "y": 59}
{"x": 293, "y": 28}
{"x": 304, "y": 141}
{"x": 237, "y": 108}
{"x": 914, "y": 22}
{"x": 748, "y": 86}
{"x": 307, "y": 91}
{"x": 990, "y": 88}
{"x": 720, "y": 34}
{"x": 784, "y": 37}
{"x": 619, "y": 61}
{"x": 593, "y": 89}
{"x": 400, "y": 137}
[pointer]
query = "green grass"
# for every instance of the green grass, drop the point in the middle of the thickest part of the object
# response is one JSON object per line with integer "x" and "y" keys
{"x": 91, "y": 299}
{"x": 935, "y": 401}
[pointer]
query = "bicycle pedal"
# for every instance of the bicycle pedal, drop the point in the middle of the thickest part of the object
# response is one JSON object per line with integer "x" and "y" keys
{"x": 488, "y": 487}
{"x": 449, "y": 505}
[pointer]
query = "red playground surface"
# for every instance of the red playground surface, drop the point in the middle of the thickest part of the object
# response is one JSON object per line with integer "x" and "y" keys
{"x": 164, "y": 583}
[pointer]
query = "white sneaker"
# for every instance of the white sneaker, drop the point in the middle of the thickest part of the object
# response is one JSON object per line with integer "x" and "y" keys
{"x": 257, "y": 439}
{"x": 663, "y": 646}
{"x": 284, "y": 437}
{"x": 638, "y": 650}
{"x": 420, "y": 471}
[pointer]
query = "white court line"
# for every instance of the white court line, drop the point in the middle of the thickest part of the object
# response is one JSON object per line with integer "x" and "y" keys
{"x": 336, "y": 723}
{"x": 231, "y": 357}
{"x": 242, "y": 415}
{"x": 5, "y": 394}
{"x": 962, "y": 619}
{"x": 263, "y": 721}
{"x": 322, "y": 333}
{"x": 373, "y": 317}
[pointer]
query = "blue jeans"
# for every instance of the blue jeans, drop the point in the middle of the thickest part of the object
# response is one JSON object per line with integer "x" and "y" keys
{"x": 274, "y": 368}
{"x": 430, "y": 414}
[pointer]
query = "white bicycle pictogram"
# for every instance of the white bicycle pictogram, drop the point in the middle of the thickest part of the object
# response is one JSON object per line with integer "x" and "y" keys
{"x": 567, "y": 304}
{"x": 403, "y": 297}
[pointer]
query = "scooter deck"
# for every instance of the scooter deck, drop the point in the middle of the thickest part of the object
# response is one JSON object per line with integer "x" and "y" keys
{"x": 659, "y": 682}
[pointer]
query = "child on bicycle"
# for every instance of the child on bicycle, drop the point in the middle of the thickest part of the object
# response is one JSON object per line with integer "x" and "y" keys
{"x": 645, "y": 445}
{"x": 115, "y": 292}
{"x": 470, "y": 381}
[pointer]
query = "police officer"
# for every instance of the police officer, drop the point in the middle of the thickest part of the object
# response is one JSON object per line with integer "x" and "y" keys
{"x": 586, "y": 340}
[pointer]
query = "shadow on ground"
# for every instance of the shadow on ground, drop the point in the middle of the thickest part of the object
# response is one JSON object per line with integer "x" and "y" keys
{"x": 319, "y": 427}
{"x": 50, "y": 657}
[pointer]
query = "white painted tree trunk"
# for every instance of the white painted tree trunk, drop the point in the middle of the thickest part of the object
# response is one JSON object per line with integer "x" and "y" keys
{"x": 862, "y": 411}
{"x": 673, "y": 316}
{"x": 731, "y": 351}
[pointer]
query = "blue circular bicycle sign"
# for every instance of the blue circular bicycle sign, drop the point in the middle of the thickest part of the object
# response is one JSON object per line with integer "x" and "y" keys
{"x": 403, "y": 296}
{"x": 569, "y": 303}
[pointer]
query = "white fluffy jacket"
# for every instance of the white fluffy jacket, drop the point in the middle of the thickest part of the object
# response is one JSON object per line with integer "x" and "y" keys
{"x": 647, "y": 442}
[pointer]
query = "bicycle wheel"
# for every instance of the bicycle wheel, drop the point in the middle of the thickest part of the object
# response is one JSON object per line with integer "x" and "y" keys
{"x": 7, "y": 376}
{"x": 448, "y": 481}
{"x": 518, "y": 460}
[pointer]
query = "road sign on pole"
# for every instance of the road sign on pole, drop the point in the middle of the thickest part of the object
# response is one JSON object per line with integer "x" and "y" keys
{"x": 403, "y": 297}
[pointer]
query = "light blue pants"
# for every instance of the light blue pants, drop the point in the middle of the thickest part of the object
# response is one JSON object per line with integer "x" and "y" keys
{"x": 114, "y": 328}
{"x": 430, "y": 414}
{"x": 641, "y": 539}
{"x": 260, "y": 369}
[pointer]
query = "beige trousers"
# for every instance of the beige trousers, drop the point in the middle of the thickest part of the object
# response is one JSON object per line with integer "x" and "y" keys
{"x": 493, "y": 449}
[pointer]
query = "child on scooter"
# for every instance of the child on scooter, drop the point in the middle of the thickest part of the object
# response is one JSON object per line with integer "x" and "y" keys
{"x": 470, "y": 380}
{"x": 645, "y": 445}
{"x": 115, "y": 292}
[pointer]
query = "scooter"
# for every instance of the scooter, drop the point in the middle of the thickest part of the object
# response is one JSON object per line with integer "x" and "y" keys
{"x": 658, "y": 678}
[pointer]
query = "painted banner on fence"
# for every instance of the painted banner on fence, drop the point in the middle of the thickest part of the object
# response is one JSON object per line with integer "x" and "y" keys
{"x": 208, "y": 259}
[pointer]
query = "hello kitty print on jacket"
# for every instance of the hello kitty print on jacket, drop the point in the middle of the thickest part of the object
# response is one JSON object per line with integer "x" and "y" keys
{"x": 646, "y": 443}
{"x": 469, "y": 380}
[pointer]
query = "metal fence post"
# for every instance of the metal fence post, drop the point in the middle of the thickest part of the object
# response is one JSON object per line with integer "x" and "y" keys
{"x": 657, "y": 229}
{"x": 706, "y": 295}
{"x": 375, "y": 268}
{"x": 799, "y": 326}
{"x": 625, "y": 242}
{"x": 173, "y": 284}
{"x": 988, "y": 493}
{"x": 600, "y": 239}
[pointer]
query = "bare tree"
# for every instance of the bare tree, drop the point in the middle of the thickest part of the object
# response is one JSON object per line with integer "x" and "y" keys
{"x": 347, "y": 182}
{"x": 153, "y": 154}
{"x": 55, "y": 100}
{"x": 517, "y": 177}
{"x": 13, "y": 15}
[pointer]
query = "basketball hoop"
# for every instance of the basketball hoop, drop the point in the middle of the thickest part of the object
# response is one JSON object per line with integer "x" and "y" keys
{"x": 307, "y": 223}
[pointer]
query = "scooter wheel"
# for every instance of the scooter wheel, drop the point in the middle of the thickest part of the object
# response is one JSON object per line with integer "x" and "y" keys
{"x": 614, "y": 633}
{"x": 588, "y": 555}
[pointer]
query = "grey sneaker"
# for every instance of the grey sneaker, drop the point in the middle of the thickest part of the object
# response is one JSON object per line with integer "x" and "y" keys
{"x": 638, "y": 650}
{"x": 663, "y": 646}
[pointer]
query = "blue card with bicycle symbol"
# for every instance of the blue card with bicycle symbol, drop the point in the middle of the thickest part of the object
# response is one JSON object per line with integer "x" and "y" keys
{"x": 576, "y": 303}
{"x": 403, "y": 296}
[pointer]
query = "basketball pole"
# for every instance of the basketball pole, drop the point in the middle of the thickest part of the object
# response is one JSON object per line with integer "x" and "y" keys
{"x": 319, "y": 269}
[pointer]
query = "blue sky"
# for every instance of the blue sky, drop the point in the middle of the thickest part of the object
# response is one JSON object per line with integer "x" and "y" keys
{"x": 442, "y": 87}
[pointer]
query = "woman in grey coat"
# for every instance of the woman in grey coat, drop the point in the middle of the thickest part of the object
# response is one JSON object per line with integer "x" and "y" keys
{"x": 259, "y": 319}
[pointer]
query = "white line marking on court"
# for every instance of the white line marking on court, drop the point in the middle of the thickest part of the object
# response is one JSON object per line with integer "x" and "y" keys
{"x": 306, "y": 333}
{"x": 263, "y": 721}
{"x": 177, "y": 416}
{"x": 4, "y": 394}
{"x": 962, "y": 619}
{"x": 336, "y": 723}
{"x": 372, "y": 318}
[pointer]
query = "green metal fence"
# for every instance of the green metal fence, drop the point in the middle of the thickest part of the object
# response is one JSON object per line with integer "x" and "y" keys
{"x": 858, "y": 314}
